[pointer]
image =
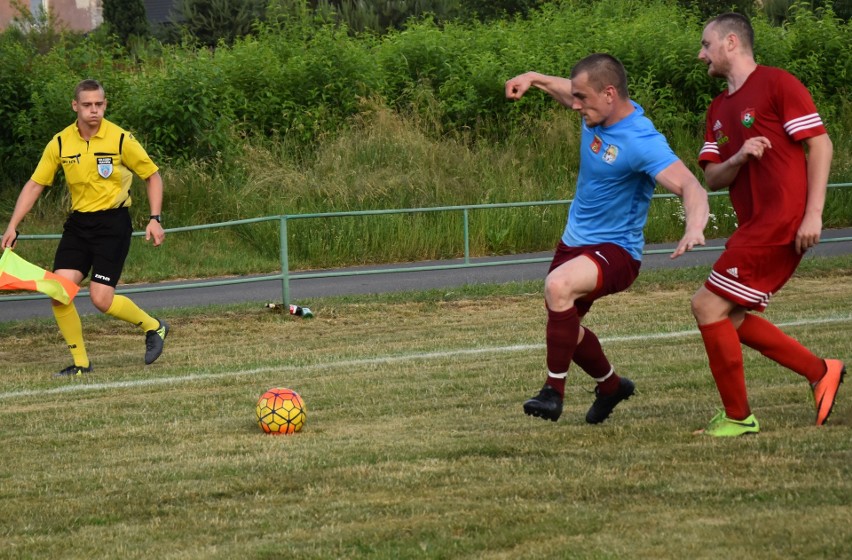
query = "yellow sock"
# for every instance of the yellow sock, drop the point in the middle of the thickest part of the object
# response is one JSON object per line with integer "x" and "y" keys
{"x": 123, "y": 308}
{"x": 72, "y": 331}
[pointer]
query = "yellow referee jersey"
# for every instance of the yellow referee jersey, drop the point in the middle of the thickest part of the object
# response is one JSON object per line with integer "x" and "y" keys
{"x": 98, "y": 171}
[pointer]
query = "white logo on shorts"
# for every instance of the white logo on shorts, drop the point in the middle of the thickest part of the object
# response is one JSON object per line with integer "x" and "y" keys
{"x": 598, "y": 253}
{"x": 733, "y": 272}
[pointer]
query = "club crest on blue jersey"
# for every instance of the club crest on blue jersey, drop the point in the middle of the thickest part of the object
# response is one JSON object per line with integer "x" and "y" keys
{"x": 610, "y": 154}
{"x": 105, "y": 167}
{"x": 596, "y": 144}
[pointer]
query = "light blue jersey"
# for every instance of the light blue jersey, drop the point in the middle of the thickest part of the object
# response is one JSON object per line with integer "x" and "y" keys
{"x": 618, "y": 166}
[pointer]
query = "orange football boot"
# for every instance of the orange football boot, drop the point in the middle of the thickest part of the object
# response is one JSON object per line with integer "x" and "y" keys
{"x": 825, "y": 390}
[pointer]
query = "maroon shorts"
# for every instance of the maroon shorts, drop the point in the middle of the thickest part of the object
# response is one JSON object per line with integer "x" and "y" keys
{"x": 748, "y": 276}
{"x": 617, "y": 270}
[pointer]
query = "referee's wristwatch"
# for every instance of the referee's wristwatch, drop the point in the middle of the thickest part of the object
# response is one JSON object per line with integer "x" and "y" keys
{"x": 155, "y": 217}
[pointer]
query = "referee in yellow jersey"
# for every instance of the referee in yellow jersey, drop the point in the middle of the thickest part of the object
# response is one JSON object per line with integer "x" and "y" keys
{"x": 97, "y": 158}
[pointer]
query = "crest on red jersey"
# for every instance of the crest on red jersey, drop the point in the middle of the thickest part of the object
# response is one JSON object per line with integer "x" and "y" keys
{"x": 747, "y": 117}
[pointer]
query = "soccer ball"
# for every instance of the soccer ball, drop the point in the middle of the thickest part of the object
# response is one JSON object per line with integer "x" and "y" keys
{"x": 281, "y": 411}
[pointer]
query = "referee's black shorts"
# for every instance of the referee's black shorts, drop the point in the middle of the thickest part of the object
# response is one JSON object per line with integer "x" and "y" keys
{"x": 96, "y": 242}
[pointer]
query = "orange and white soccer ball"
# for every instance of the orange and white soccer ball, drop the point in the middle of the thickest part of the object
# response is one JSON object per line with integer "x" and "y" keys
{"x": 281, "y": 411}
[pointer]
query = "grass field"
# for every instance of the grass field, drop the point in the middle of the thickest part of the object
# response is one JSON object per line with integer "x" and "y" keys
{"x": 416, "y": 445}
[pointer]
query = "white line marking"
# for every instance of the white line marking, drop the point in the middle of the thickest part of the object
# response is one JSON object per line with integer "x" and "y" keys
{"x": 205, "y": 376}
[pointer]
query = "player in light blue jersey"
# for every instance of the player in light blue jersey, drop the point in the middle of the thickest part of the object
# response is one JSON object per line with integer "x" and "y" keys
{"x": 616, "y": 181}
{"x": 622, "y": 158}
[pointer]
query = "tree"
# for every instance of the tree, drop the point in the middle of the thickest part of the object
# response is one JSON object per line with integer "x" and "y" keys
{"x": 126, "y": 18}
{"x": 495, "y": 9}
{"x": 707, "y": 9}
{"x": 778, "y": 10}
{"x": 211, "y": 20}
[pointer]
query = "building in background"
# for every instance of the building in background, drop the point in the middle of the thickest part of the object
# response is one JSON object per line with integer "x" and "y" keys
{"x": 82, "y": 15}
{"x": 76, "y": 15}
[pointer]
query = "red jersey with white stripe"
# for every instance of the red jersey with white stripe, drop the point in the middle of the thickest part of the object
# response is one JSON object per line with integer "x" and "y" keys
{"x": 768, "y": 194}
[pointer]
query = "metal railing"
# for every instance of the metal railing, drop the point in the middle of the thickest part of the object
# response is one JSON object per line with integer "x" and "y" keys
{"x": 285, "y": 276}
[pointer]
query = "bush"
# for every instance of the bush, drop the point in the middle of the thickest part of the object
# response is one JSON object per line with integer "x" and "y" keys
{"x": 126, "y": 18}
{"x": 305, "y": 80}
{"x": 301, "y": 85}
{"x": 181, "y": 110}
{"x": 212, "y": 21}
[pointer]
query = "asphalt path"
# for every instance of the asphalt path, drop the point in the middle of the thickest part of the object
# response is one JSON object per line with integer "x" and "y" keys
{"x": 263, "y": 291}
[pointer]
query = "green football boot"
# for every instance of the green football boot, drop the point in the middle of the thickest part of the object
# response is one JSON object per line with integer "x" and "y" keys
{"x": 722, "y": 426}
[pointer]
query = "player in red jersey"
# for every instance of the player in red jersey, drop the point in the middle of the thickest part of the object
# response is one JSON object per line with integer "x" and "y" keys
{"x": 755, "y": 140}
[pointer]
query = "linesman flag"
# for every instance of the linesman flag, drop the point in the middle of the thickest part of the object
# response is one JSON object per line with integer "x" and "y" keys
{"x": 18, "y": 274}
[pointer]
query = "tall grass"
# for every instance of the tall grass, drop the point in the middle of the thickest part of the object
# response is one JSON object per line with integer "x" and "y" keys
{"x": 384, "y": 162}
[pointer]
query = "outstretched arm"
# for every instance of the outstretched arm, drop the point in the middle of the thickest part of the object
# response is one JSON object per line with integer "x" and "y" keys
{"x": 558, "y": 88}
{"x": 26, "y": 200}
{"x": 676, "y": 178}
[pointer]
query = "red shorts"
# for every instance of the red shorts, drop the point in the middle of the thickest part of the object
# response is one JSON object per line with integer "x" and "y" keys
{"x": 748, "y": 276}
{"x": 617, "y": 270}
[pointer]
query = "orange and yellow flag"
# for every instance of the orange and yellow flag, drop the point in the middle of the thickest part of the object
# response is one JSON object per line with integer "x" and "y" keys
{"x": 18, "y": 274}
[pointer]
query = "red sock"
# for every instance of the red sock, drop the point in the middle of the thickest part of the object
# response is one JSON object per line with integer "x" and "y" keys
{"x": 563, "y": 328}
{"x": 590, "y": 356}
{"x": 758, "y": 333}
{"x": 726, "y": 363}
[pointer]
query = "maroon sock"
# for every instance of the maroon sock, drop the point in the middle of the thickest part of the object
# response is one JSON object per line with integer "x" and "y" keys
{"x": 590, "y": 356}
{"x": 563, "y": 328}
{"x": 610, "y": 385}
{"x": 557, "y": 381}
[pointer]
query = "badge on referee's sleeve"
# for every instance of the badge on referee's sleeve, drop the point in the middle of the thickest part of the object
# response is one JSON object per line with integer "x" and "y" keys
{"x": 105, "y": 167}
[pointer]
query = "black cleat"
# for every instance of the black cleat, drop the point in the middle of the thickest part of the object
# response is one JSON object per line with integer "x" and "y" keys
{"x": 154, "y": 342}
{"x": 547, "y": 404}
{"x": 74, "y": 372}
{"x": 603, "y": 405}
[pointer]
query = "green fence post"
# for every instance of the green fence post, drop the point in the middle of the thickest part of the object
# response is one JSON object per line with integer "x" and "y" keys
{"x": 466, "y": 237}
{"x": 285, "y": 260}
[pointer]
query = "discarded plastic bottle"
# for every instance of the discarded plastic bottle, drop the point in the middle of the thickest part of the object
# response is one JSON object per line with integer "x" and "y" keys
{"x": 302, "y": 312}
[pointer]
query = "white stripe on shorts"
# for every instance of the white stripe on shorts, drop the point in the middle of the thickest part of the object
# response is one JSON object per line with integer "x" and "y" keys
{"x": 739, "y": 291}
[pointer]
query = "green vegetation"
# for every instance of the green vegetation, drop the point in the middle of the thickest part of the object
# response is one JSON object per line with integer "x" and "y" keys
{"x": 304, "y": 116}
{"x": 415, "y": 444}
{"x": 125, "y": 19}
{"x": 211, "y": 21}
